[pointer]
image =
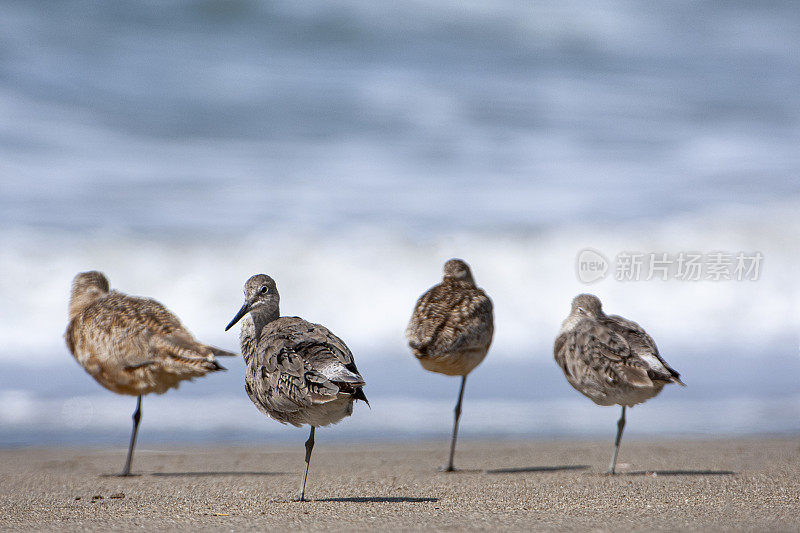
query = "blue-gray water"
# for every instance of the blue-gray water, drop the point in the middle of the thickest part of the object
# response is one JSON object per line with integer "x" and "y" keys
{"x": 349, "y": 148}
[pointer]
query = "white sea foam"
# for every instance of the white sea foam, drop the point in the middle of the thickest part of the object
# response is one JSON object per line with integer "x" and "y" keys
{"x": 363, "y": 284}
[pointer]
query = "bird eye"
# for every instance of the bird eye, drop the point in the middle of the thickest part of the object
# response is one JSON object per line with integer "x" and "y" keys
{"x": 264, "y": 289}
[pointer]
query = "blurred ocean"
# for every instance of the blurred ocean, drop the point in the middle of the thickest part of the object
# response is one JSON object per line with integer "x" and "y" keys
{"x": 349, "y": 148}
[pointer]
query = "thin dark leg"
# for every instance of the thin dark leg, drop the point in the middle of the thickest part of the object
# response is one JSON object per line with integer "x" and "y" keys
{"x": 620, "y": 427}
{"x": 137, "y": 415}
{"x": 450, "y": 467}
{"x": 309, "y": 448}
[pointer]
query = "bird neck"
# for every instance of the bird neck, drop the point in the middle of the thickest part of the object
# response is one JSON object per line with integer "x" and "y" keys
{"x": 460, "y": 282}
{"x": 263, "y": 318}
{"x": 252, "y": 325}
{"x": 571, "y": 321}
{"x": 79, "y": 301}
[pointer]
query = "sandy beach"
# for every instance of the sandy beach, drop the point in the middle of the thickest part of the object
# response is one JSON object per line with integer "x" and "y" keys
{"x": 747, "y": 484}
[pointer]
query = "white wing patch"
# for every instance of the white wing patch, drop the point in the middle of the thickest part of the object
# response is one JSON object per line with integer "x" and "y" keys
{"x": 653, "y": 362}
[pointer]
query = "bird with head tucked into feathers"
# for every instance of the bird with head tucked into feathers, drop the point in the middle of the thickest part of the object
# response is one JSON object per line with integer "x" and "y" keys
{"x": 451, "y": 329}
{"x": 132, "y": 345}
{"x": 610, "y": 360}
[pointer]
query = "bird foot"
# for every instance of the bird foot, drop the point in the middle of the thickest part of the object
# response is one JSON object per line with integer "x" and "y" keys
{"x": 300, "y": 497}
{"x": 446, "y": 468}
{"x": 609, "y": 473}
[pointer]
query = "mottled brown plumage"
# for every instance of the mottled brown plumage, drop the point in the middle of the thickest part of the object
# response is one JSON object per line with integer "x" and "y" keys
{"x": 297, "y": 372}
{"x": 132, "y": 345}
{"x": 303, "y": 374}
{"x": 609, "y": 359}
{"x": 451, "y": 329}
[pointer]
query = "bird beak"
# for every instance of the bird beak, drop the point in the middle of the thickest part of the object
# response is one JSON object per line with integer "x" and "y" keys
{"x": 243, "y": 311}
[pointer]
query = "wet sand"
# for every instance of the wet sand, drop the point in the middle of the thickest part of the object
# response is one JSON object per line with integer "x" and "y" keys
{"x": 740, "y": 484}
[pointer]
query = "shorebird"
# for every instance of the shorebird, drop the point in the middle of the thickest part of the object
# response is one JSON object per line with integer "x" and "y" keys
{"x": 132, "y": 345}
{"x": 610, "y": 360}
{"x": 297, "y": 372}
{"x": 451, "y": 329}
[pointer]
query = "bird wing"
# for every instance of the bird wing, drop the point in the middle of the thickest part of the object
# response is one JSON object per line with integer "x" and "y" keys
{"x": 448, "y": 317}
{"x": 302, "y": 364}
{"x": 592, "y": 352}
{"x": 644, "y": 347}
{"x": 170, "y": 345}
{"x": 137, "y": 332}
{"x": 179, "y": 350}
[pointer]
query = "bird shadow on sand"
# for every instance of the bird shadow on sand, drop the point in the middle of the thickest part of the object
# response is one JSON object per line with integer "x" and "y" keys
{"x": 656, "y": 473}
{"x": 380, "y": 499}
{"x": 222, "y": 473}
{"x": 524, "y": 469}
{"x": 459, "y": 471}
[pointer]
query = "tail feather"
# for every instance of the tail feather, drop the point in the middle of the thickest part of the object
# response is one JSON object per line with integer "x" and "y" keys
{"x": 183, "y": 351}
{"x": 218, "y": 352}
{"x": 359, "y": 395}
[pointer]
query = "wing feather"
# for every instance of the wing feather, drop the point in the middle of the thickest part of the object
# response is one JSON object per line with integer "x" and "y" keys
{"x": 448, "y": 317}
{"x": 302, "y": 364}
{"x": 591, "y": 353}
{"x": 644, "y": 348}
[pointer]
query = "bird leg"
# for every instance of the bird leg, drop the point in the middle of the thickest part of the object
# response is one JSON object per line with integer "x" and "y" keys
{"x": 620, "y": 427}
{"x": 449, "y": 467}
{"x": 309, "y": 448}
{"x": 137, "y": 415}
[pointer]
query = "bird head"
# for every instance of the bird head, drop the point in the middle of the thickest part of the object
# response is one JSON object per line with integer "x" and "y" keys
{"x": 458, "y": 270}
{"x": 587, "y": 305}
{"x": 86, "y": 288}
{"x": 260, "y": 297}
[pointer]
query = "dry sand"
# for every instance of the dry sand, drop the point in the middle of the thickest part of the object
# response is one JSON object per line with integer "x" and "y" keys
{"x": 666, "y": 485}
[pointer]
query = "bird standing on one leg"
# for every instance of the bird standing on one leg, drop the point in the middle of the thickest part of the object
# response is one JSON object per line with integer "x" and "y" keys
{"x": 132, "y": 345}
{"x": 610, "y": 360}
{"x": 297, "y": 372}
{"x": 451, "y": 329}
